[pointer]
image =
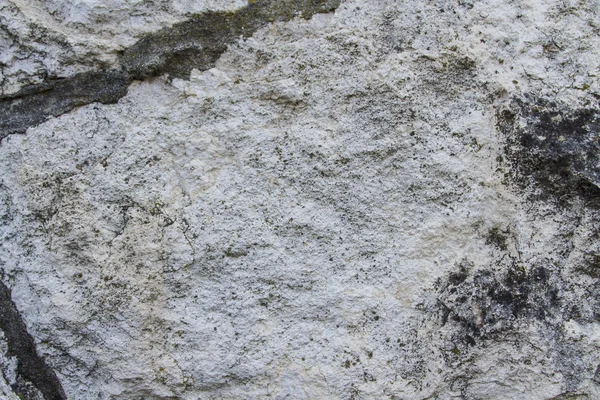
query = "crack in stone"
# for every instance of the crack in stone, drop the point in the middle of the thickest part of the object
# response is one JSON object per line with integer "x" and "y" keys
{"x": 33, "y": 105}
{"x": 196, "y": 43}
{"x": 30, "y": 366}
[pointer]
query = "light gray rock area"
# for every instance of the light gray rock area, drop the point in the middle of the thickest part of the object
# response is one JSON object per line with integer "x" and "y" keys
{"x": 311, "y": 199}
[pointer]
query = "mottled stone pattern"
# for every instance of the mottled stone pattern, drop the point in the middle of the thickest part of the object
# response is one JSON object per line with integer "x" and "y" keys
{"x": 554, "y": 149}
{"x": 357, "y": 200}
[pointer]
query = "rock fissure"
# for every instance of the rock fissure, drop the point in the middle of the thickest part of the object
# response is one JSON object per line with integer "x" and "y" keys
{"x": 30, "y": 366}
{"x": 194, "y": 44}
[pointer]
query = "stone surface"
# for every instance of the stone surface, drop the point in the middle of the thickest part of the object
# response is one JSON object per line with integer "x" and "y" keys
{"x": 41, "y": 39}
{"x": 176, "y": 50}
{"x": 390, "y": 200}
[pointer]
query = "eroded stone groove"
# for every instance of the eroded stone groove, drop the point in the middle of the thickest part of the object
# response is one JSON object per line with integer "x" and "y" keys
{"x": 33, "y": 105}
{"x": 196, "y": 43}
{"x": 31, "y": 367}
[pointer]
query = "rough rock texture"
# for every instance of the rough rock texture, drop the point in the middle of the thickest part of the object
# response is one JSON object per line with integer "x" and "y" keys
{"x": 176, "y": 50}
{"x": 58, "y": 38}
{"x": 383, "y": 200}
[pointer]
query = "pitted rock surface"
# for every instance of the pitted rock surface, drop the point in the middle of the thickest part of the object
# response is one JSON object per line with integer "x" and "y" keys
{"x": 371, "y": 200}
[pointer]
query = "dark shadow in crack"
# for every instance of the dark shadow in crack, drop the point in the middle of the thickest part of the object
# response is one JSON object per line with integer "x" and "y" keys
{"x": 34, "y": 104}
{"x": 30, "y": 366}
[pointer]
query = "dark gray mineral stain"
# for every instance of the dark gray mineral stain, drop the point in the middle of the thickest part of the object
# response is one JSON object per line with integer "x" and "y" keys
{"x": 552, "y": 155}
{"x": 197, "y": 43}
{"x": 489, "y": 302}
{"x": 31, "y": 368}
{"x": 553, "y": 150}
{"x": 488, "y": 306}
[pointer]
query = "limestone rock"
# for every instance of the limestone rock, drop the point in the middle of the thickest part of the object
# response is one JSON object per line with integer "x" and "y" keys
{"x": 355, "y": 200}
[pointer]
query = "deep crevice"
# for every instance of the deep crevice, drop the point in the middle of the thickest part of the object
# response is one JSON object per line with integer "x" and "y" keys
{"x": 30, "y": 366}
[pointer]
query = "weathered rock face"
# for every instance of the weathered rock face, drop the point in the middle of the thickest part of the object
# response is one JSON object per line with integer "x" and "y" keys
{"x": 303, "y": 200}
